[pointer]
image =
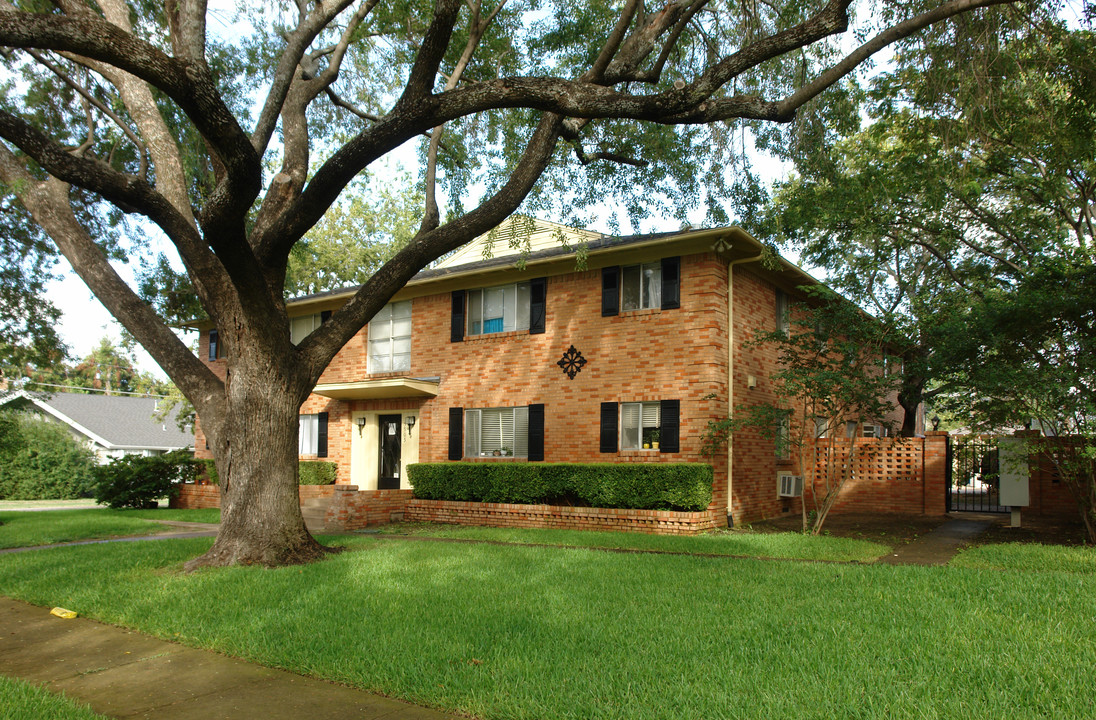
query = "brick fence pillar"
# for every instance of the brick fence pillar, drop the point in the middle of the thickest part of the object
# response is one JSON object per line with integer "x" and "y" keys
{"x": 341, "y": 513}
{"x": 935, "y": 473}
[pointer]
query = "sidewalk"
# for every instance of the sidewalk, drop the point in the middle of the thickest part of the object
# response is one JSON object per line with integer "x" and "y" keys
{"x": 128, "y": 675}
{"x": 939, "y": 546}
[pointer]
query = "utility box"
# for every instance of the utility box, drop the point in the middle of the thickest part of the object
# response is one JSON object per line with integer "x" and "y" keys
{"x": 1014, "y": 491}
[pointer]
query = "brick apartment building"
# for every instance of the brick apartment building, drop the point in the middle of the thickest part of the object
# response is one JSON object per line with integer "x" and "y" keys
{"x": 501, "y": 356}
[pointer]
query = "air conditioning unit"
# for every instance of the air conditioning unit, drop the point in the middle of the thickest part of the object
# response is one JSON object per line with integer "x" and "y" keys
{"x": 790, "y": 485}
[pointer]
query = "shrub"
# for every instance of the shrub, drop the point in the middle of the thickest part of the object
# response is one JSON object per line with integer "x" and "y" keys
{"x": 41, "y": 460}
{"x": 137, "y": 481}
{"x": 640, "y": 486}
{"x": 317, "y": 472}
{"x": 310, "y": 472}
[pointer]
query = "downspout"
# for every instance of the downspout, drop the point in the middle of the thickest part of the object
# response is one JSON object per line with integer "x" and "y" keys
{"x": 730, "y": 381}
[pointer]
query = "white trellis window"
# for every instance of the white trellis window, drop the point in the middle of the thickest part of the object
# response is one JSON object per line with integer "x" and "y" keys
{"x": 390, "y": 338}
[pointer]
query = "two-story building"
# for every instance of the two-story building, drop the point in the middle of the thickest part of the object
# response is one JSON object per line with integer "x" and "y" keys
{"x": 581, "y": 348}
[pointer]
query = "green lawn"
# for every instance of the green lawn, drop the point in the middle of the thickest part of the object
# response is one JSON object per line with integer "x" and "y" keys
{"x": 1027, "y": 557}
{"x": 729, "y": 542}
{"x": 27, "y": 701}
{"x": 511, "y": 631}
{"x": 26, "y": 529}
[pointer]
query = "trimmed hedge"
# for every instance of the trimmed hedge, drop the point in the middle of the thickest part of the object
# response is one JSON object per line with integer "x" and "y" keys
{"x": 309, "y": 472}
{"x": 317, "y": 472}
{"x": 638, "y": 486}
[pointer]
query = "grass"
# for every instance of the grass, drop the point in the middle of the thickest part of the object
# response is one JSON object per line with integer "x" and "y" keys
{"x": 734, "y": 542}
{"x": 510, "y": 631}
{"x": 1029, "y": 558}
{"x": 27, "y": 529}
{"x": 27, "y": 701}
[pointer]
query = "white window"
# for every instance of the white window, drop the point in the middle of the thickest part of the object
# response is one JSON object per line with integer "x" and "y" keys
{"x": 390, "y": 338}
{"x": 641, "y": 286}
{"x": 850, "y": 429}
{"x": 496, "y": 432}
{"x": 308, "y": 437}
{"x": 300, "y": 327}
{"x": 639, "y": 425}
{"x": 784, "y": 439}
{"x": 498, "y": 309}
{"x": 782, "y": 308}
{"x": 821, "y": 427}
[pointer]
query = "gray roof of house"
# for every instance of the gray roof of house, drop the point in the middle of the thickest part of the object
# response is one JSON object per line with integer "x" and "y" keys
{"x": 120, "y": 422}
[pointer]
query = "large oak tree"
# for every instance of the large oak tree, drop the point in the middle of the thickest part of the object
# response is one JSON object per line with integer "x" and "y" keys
{"x": 135, "y": 107}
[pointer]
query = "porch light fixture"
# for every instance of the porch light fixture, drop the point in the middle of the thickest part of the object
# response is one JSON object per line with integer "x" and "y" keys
{"x": 410, "y": 424}
{"x": 935, "y": 420}
{"x": 361, "y": 425}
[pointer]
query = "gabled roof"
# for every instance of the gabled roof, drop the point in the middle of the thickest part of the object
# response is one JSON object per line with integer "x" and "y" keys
{"x": 540, "y": 244}
{"x": 115, "y": 422}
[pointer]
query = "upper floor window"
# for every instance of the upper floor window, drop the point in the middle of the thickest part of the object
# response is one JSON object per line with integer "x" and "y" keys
{"x": 782, "y": 308}
{"x": 505, "y": 308}
{"x": 390, "y": 338}
{"x": 496, "y": 432}
{"x": 300, "y": 327}
{"x": 216, "y": 351}
{"x": 638, "y": 287}
{"x": 641, "y": 286}
{"x": 499, "y": 309}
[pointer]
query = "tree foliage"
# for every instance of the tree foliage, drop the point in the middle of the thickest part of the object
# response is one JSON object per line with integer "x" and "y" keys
{"x": 140, "y": 109}
{"x": 108, "y": 368}
{"x": 959, "y": 184}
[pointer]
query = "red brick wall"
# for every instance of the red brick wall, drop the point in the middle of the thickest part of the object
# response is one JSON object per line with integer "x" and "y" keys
{"x": 889, "y": 476}
{"x": 353, "y": 510}
{"x": 191, "y": 497}
{"x": 1049, "y": 495}
{"x": 662, "y": 522}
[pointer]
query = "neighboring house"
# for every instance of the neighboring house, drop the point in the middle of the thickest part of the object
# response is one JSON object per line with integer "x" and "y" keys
{"x": 111, "y": 425}
{"x": 489, "y": 359}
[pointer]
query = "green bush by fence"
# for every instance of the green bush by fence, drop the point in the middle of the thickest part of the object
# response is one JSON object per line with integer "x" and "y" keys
{"x": 138, "y": 481}
{"x": 41, "y": 460}
{"x": 640, "y": 486}
{"x": 310, "y": 472}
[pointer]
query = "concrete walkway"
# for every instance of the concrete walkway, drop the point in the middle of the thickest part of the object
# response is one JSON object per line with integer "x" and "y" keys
{"x": 939, "y": 546}
{"x": 128, "y": 675}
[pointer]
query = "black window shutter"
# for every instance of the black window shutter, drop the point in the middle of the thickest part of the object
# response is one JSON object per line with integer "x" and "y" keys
{"x": 608, "y": 427}
{"x": 321, "y": 435}
{"x": 671, "y": 283}
{"x": 669, "y": 434}
{"x": 325, "y": 315}
{"x": 536, "y": 432}
{"x": 610, "y": 291}
{"x": 456, "y": 433}
{"x": 538, "y": 305}
{"x": 214, "y": 341}
{"x": 456, "y": 326}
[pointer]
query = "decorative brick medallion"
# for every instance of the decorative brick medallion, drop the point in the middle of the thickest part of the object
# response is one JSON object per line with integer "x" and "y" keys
{"x": 571, "y": 362}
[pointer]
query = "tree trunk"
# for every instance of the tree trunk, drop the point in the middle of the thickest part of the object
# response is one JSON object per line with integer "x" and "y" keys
{"x": 255, "y": 449}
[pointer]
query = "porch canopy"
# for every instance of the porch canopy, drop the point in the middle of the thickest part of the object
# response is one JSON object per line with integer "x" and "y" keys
{"x": 382, "y": 389}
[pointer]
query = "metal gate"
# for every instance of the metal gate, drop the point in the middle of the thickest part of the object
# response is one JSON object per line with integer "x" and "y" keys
{"x": 974, "y": 475}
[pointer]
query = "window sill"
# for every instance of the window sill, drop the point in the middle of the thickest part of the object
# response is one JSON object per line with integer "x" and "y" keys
{"x": 486, "y": 337}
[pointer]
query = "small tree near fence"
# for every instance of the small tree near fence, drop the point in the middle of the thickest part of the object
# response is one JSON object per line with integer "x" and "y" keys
{"x": 833, "y": 371}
